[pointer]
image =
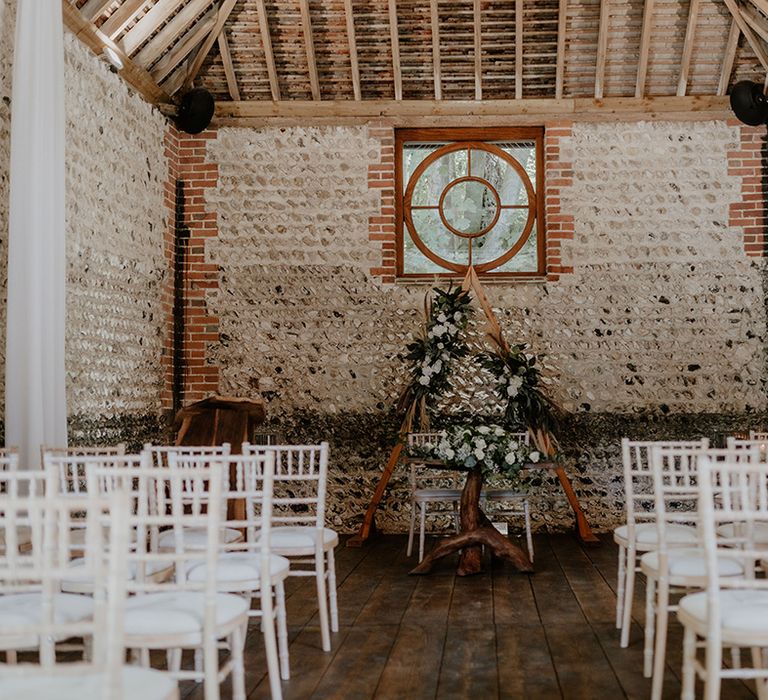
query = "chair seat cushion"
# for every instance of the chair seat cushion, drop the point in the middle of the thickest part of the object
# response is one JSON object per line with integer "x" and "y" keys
{"x": 195, "y": 538}
{"x": 245, "y": 567}
{"x": 24, "y": 609}
{"x": 647, "y": 534}
{"x": 79, "y": 582}
{"x": 731, "y": 530}
{"x": 179, "y": 612}
{"x": 300, "y": 540}
{"x": 690, "y": 563}
{"x": 741, "y": 612}
{"x": 437, "y": 494}
{"x": 85, "y": 684}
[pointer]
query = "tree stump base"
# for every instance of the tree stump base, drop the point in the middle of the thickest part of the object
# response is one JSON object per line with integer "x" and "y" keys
{"x": 476, "y": 532}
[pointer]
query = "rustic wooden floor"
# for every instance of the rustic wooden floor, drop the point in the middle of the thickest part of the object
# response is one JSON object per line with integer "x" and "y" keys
{"x": 501, "y": 634}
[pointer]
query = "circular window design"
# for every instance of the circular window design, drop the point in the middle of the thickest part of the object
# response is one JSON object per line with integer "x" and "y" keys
{"x": 469, "y": 204}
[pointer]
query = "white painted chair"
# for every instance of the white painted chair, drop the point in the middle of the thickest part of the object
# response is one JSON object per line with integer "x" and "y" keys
{"x": 160, "y": 457}
{"x": 639, "y": 534}
{"x": 107, "y": 450}
{"x": 758, "y": 435}
{"x": 299, "y": 532}
{"x": 35, "y": 614}
{"x": 181, "y": 613}
{"x": 424, "y": 492}
{"x": 248, "y": 567}
{"x": 732, "y": 610}
{"x": 513, "y": 503}
{"x": 672, "y": 566}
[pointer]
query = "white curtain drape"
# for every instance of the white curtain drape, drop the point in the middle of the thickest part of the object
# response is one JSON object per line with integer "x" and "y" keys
{"x": 35, "y": 392}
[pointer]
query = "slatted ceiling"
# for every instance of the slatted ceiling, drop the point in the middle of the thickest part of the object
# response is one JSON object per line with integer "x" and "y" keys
{"x": 215, "y": 78}
{"x": 539, "y": 48}
{"x": 708, "y": 49}
{"x": 581, "y": 48}
{"x": 457, "y": 45}
{"x": 171, "y": 33}
{"x": 329, "y": 29}
{"x": 498, "y": 52}
{"x": 625, "y": 26}
{"x": 289, "y": 49}
{"x": 666, "y": 48}
{"x": 415, "y": 33}
{"x": 374, "y": 50}
{"x": 746, "y": 66}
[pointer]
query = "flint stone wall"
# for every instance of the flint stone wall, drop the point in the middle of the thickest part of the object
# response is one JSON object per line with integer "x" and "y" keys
{"x": 116, "y": 219}
{"x": 658, "y": 332}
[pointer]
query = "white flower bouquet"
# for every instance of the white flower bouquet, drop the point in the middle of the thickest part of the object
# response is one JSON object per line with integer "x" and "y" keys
{"x": 490, "y": 447}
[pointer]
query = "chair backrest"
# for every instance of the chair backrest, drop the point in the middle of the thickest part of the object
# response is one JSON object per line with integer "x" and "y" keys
{"x": 9, "y": 461}
{"x": 41, "y": 569}
{"x": 160, "y": 453}
{"x": 756, "y": 445}
{"x": 421, "y": 439}
{"x": 758, "y": 435}
{"x": 9, "y": 452}
{"x": 638, "y": 476}
{"x": 300, "y": 482}
{"x": 118, "y": 449}
{"x": 731, "y": 491}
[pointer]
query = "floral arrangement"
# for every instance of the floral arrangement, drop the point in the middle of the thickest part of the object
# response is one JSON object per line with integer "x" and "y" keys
{"x": 432, "y": 354}
{"x": 490, "y": 447}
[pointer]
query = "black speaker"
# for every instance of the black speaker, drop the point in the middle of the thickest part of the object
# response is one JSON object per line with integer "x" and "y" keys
{"x": 749, "y": 103}
{"x": 195, "y": 111}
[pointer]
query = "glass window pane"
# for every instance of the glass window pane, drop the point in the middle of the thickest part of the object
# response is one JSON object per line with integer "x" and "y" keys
{"x": 525, "y": 154}
{"x": 413, "y": 155}
{"x": 469, "y": 206}
{"x": 437, "y": 238}
{"x": 437, "y": 176}
{"x": 502, "y": 237}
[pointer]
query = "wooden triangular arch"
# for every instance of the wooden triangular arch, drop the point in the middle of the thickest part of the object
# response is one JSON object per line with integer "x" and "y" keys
{"x": 368, "y": 528}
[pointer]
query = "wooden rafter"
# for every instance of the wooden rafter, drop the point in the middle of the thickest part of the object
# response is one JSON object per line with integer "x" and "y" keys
{"x": 189, "y": 42}
{"x": 309, "y": 47}
{"x": 761, "y": 5}
{"x": 171, "y": 32}
{"x": 518, "y": 49}
{"x": 352, "y": 41}
{"x": 229, "y": 69}
{"x": 394, "y": 35}
{"x": 436, "y": 68}
{"x": 96, "y": 41}
{"x": 562, "y": 23}
{"x": 222, "y": 16}
{"x": 478, "y": 30}
{"x": 602, "y": 48}
{"x": 266, "y": 43}
{"x": 93, "y": 9}
{"x": 122, "y": 17}
{"x": 148, "y": 25}
{"x": 745, "y": 28}
{"x": 755, "y": 20}
{"x": 685, "y": 62}
{"x": 729, "y": 57}
{"x": 645, "y": 44}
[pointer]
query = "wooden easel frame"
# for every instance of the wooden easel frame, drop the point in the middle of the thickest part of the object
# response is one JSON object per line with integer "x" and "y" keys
{"x": 368, "y": 528}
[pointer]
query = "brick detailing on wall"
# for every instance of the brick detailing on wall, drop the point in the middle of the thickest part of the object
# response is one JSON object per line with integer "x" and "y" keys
{"x": 748, "y": 163}
{"x": 190, "y": 163}
{"x": 558, "y": 174}
{"x": 381, "y": 224}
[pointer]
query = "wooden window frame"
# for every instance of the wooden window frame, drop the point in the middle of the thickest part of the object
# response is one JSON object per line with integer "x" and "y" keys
{"x": 444, "y": 135}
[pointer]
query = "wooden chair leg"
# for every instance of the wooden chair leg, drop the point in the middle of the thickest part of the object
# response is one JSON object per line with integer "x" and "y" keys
{"x": 620, "y": 581}
{"x": 650, "y": 619}
{"x": 689, "y": 671}
{"x": 332, "y": 591}
{"x": 660, "y": 650}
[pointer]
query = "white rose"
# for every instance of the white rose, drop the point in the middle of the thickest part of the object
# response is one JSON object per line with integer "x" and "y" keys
{"x": 479, "y": 453}
{"x": 511, "y": 391}
{"x": 484, "y": 429}
{"x": 424, "y": 380}
{"x": 479, "y": 442}
{"x": 438, "y": 331}
{"x": 534, "y": 456}
{"x": 442, "y": 318}
{"x": 457, "y": 316}
{"x": 440, "y": 346}
{"x": 437, "y": 366}
{"x": 450, "y": 454}
{"x": 452, "y": 330}
{"x": 510, "y": 458}
{"x": 499, "y": 431}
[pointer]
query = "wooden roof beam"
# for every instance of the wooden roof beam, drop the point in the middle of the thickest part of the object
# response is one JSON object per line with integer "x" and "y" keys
{"x": 148, "y": 25}
{"x": 561, "y": 30}
{"x": 518, "y": 49}
{"x": 189, "y": 42}
{"x": 171, "y": 32}
{"x": 354, "y": 65}
{"x": 685, "y": 62}
{"x": 602, "y": 48}
{"x": 94, "y": 39}
{"x": 645, "y": 44}
{"x": 122, "y": 17}
{"x": 266, "y": 44}
{"x": 94, "y": 9}
{"x": 222, "y": 16}
{"x": 309, "y": 47}
{"x": 729, "y": 57}
{"x": 745, "y": 28}
{"x": 229, "y": 69}
{"x": 436, "y": 68}
{"x": 755, "y": 20}
{"x": 478, "y": 27}
{"x": 394, "y": 36}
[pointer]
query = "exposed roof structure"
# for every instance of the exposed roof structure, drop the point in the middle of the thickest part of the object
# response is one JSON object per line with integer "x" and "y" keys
{"x": 289, "y": 52}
